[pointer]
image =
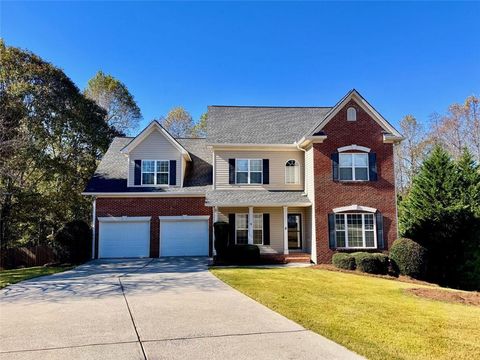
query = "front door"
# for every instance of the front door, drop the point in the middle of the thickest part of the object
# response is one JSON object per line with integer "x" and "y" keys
{"x": 294, "y": 231}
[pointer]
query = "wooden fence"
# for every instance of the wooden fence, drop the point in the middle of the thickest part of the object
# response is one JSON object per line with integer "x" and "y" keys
{"x": 26, "y": 257}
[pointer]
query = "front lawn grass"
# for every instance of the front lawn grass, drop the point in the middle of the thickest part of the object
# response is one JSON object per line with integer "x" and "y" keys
{"x": 8, "y": 277}
{"x": 374, "y": 317}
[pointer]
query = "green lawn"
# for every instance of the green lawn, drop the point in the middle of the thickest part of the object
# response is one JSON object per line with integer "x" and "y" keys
{"x": 8, "y": 277}
{"x": 371, "y": 316}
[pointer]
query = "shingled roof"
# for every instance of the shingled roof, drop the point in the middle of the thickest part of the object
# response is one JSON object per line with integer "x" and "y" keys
{"x": 112, "y": 172}
{"x": 261, "y": 125}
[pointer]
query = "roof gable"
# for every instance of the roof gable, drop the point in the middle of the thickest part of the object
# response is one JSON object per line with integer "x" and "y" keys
{"x": 155, "y": 126}
{"x": 354, "y": 95}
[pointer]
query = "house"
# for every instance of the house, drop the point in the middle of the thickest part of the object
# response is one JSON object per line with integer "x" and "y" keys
{"x": 296, "y": 181}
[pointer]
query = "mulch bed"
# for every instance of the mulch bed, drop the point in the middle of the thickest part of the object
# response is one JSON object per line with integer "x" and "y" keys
{"x": 459, "y": 297}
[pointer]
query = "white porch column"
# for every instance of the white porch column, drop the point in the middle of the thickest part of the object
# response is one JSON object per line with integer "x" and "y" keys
{"x": 250, "y": 225}
{"x": 215, "y": 219}
{"x": 285, "y": 230}
{"x": 94, "y": 223}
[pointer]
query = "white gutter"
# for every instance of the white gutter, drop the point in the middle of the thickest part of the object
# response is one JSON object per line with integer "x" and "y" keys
{"x": 142, "y": 194}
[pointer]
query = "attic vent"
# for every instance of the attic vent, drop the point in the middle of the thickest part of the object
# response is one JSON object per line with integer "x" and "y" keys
{"x": 351, "y": 114}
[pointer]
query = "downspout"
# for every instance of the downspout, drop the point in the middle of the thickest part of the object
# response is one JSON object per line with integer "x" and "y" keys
{"x": 304, "y": 162}
{"x": 94, "y": 216}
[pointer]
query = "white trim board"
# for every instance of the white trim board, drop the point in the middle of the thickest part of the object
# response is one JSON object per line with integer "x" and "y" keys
{"x": 124, "y": 219}
{"x": 354, "y": 208}
{"x": 142, "y": 194}
{"x": 184, "y": 218}
{"x": 353, "y": 147}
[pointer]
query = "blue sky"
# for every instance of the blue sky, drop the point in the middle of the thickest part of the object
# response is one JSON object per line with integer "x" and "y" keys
{"x": 405, "y": 58}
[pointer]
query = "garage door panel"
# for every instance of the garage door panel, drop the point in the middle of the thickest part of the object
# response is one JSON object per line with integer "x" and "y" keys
{"x": 124, "y": 239}
{"x": 184, "y": 238}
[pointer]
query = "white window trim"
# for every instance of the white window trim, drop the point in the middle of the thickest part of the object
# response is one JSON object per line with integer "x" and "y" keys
{"x": 296, "y": 169}
{"x": 353, "y": 167}
{"x": 248, "y": 172}
{"x": 246, "y": 214}
{"x": 155, "y": 173}
{"x": 363, "y": 231}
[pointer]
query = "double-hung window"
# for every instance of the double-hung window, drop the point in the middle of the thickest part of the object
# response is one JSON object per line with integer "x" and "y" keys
{"x": 241, "y": 223}
{"x": 155, "y": 172}
{"x": 355, "y": 231}
{"x": 248, "y": 171}
{"x": 353, "y": 167}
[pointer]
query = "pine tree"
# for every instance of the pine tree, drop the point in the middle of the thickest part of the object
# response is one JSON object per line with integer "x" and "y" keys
{"x": 440, "y": 212}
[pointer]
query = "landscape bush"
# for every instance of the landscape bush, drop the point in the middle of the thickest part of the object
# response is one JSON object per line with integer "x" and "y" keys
{"x": 371, "y": 263}
{"x": 73, "y": 242}
{"x": 221, "y": 229}
{"x": 243, "y": 254}
{"x": 409, "y": 256}
{"x": 344, "y": 261}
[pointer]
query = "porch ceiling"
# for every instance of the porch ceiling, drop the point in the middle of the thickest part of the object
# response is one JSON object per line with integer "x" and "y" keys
{"x": 256, "y": 198}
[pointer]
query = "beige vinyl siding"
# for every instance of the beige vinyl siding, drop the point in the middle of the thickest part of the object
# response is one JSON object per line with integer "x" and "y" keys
{"x": 310, "y": 215}
{"x": 276, "y": 223}
{"x": 154, "y": 147}
{"x": 277, "y": 160}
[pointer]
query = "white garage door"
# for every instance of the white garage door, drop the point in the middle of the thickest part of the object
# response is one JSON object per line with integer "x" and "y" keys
{"x": 184, "y": 236}
{"x": 124, "y": 237}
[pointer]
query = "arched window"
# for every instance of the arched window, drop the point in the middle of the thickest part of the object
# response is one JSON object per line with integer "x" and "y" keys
{"x": 351, "y": 114}
{"x": 292, "y": 172}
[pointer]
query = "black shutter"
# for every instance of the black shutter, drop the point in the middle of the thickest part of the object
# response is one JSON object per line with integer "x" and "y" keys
{"x": 266, "y": 229}
{"x": 231, "y": 221}
{"x": 138, "y": 172}
{"x": 173, "y": 172}
{"x": 335, "y": 166}
{"x": 231, "y": 171}
{"x": 266, "y": 171}
{"x": 379, "y": 224}
{"x": 331, "y": 231}
{"x": 372, "y": 166}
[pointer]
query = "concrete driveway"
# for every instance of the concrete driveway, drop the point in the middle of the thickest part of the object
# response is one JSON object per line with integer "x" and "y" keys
{"x": 170, "y": 308}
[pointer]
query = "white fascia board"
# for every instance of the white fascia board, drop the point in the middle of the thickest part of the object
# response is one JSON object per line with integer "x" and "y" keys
{"x": 155, "y": 126}
{"x": 354, "y": 208}
{"x": 252, "y": 147}
{"x": 258, "y": 205}
{"x": 184, "y": 217}
{"x": 142, "y": 194}
{"x": 392, "y": 139}
{"x": 311, "y": 139}
{"x": 124, "y": 219}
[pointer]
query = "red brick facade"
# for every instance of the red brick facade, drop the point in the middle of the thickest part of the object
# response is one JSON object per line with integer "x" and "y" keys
{"x": 330, "y": 194}
{"x": 154, "y": 207}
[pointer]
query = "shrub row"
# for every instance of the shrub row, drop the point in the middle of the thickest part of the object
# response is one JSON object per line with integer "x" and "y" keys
{"x": 406, "y": 257}
{"x": 372, "y": 263}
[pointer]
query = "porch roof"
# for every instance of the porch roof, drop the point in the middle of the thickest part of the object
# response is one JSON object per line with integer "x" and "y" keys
{"x": 256, "y": 198}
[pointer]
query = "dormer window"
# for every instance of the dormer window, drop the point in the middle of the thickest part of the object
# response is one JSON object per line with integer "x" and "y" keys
{"x": 292, "y": 173}
{"x": 351, "y": 114}
{"x": 155, "y": 172}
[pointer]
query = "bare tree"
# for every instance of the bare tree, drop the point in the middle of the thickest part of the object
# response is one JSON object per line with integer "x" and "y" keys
{"x": 410, "y": 153}
{"x": 178, "y": 122}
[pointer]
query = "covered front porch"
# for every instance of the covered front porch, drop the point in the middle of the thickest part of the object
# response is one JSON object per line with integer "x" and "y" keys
{"x": 282, "y": 231}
